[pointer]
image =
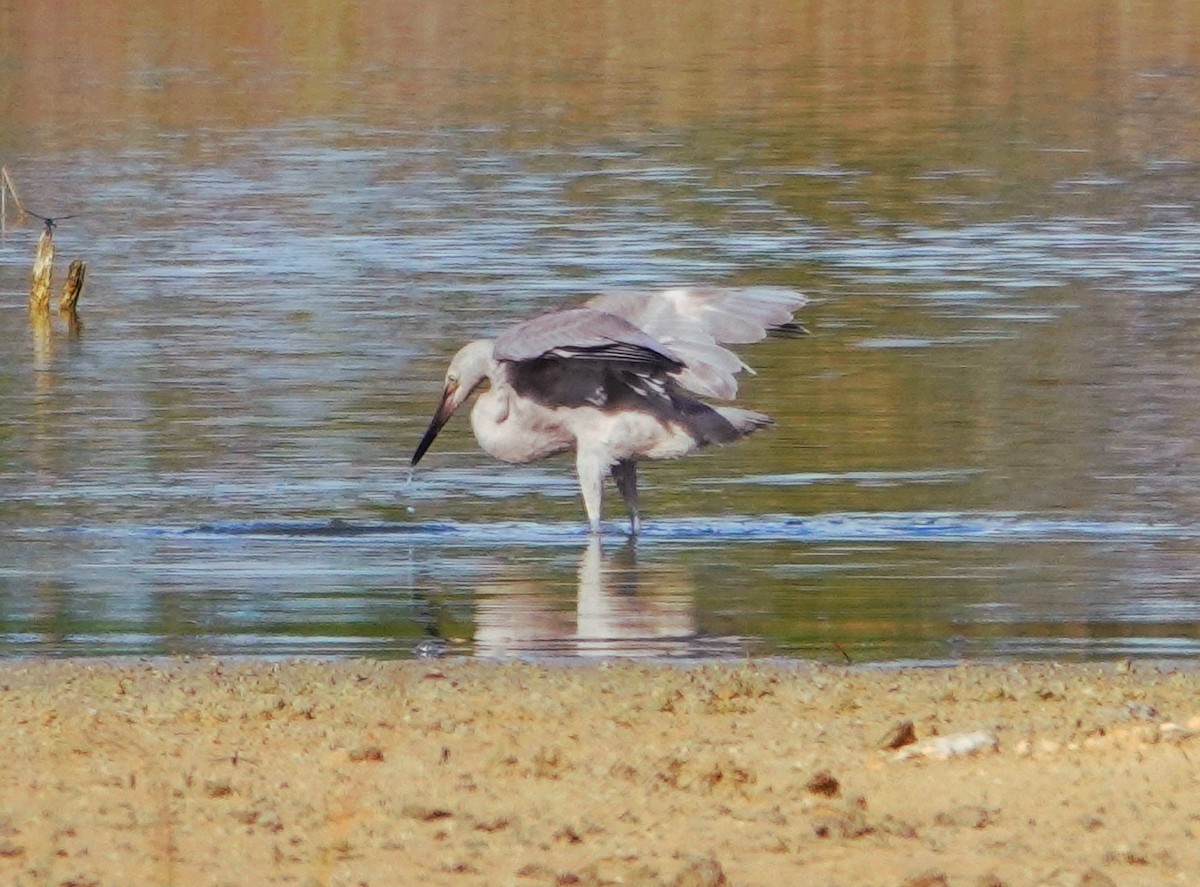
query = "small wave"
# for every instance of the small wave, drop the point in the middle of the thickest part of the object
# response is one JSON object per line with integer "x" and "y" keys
{"x": 335, "y": 528}
{"x": 843, "y": 527}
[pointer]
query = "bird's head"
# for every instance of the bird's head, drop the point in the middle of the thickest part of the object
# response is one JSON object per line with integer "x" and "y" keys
{"x": 470, "y": 366}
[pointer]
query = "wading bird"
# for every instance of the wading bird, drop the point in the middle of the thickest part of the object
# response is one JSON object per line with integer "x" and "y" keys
{"x": 617, "y": 381}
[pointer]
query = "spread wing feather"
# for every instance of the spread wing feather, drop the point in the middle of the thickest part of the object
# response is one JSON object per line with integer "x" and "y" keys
{"x": 694, "y": 322}
{"x": 587, "y": 335}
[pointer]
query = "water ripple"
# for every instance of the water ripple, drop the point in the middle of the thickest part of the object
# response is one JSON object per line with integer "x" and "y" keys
{"x": 836, "y": 527}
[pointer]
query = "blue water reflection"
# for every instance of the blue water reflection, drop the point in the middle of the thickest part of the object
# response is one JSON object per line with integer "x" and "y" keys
{"x": 912, "y": 587}
{"x": 986, "y": 448}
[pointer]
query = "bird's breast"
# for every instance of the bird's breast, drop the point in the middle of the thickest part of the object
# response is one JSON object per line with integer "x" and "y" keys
{"x": 515, "y": 429}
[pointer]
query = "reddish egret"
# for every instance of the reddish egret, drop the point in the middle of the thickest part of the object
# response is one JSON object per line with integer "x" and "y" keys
{"x": 617, "y": 381}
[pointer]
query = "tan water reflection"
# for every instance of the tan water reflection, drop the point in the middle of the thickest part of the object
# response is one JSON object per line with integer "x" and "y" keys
{"x": 874, "y": 78}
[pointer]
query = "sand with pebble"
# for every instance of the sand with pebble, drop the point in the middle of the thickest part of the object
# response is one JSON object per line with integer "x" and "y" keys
{"x": 374, "y": 773}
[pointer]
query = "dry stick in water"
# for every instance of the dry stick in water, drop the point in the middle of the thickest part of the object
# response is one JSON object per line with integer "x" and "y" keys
{"x": 43, "y": 267}
{"x": 72, "y": 288}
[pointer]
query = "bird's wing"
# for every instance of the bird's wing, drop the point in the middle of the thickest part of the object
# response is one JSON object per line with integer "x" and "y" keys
{"x": 694, "y": 322}
{"x": 581, "y": 357}
{"x": 584, "y": 334}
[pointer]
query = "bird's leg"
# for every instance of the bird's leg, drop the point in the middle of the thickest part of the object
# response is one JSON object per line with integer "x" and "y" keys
{"x": 590, "y": 471}
{"x": 625, "y": 474}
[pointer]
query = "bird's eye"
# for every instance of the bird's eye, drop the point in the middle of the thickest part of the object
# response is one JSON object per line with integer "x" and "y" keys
{"x": 452, "y": 377}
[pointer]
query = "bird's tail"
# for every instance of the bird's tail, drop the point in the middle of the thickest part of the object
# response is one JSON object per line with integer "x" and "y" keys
{"x": 711, "y": 425}
{"x": 724, "y": 425}
{"x": 744, "y": 421}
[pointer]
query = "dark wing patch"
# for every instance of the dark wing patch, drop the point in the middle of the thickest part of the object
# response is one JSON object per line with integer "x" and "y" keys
{"x": 612, "y": 387}
{"x": 557, "y": 382}
{"x": 608, "y": 384}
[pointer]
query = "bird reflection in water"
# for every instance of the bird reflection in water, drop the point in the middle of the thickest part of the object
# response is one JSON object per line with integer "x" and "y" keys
{"x": 621, "y": 610}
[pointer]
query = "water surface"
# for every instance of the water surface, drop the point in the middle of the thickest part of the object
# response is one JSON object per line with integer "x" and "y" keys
{"x": 296, "y": 214}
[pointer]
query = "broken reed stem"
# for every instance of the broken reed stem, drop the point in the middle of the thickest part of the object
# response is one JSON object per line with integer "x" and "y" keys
{"x": 43, "y": 269}
{"x": 73, "y": 288}
{"x": 6, "y": 188}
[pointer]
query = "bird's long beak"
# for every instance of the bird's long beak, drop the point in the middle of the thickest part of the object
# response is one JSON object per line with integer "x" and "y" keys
{"x": 444, "y": 411}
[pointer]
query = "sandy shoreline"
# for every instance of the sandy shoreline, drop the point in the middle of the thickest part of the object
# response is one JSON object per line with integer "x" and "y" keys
{"x": 464, "y": 773}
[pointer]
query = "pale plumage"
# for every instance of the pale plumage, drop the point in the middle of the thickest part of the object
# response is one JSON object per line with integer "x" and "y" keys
{"x": 614, "y": 381}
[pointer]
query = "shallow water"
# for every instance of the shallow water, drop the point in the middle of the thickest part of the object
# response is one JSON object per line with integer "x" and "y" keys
{"x": 293, "y": 217}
